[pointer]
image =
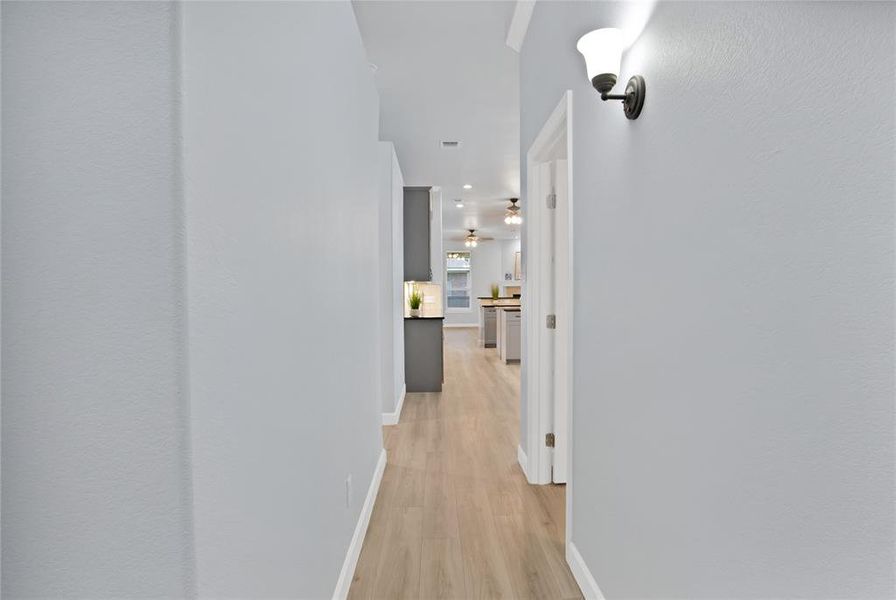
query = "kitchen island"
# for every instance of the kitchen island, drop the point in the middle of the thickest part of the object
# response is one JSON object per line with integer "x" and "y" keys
{"x": 488, "y": 317}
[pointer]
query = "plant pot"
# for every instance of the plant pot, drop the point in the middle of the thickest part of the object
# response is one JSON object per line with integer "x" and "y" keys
{"x": 415, "y": 312}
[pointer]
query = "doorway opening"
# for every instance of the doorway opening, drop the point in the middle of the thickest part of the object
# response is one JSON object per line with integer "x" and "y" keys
{"x": 549, "y": 309}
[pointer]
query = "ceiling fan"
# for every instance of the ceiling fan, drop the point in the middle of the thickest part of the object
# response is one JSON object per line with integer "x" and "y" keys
{"x": 471, "y": 240}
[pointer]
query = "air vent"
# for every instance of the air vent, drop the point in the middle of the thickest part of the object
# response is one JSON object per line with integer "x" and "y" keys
{"x": 449, "y": 144}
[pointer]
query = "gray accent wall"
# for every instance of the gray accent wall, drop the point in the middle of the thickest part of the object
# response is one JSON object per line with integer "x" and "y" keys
{"x": 734, "y": 297}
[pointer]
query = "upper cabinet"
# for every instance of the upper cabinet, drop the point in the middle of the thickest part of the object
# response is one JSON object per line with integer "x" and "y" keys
{"x": 417, "y": 234}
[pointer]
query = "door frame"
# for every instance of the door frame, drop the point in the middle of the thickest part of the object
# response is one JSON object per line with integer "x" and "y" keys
{"x": 539, "y": 409}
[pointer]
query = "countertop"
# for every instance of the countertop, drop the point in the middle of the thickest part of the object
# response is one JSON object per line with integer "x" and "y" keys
{"x": 490, "y": 303}
{"x": 427, "y": 311}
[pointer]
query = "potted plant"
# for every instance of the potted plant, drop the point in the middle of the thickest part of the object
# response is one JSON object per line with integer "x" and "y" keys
{"x": 415, "y": 300}
{"x": 495, "y": 291}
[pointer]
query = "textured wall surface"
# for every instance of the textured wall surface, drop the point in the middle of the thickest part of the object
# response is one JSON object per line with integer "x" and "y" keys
{"x": 95, "y": 497}
{"x": 397, "y": 279}
{"x": 281, "y": 155}
{"x": 733, "y": 404}
{"x": 280, "y": 210}
{"x": 509, "y": 248}
{"x": 391, "y": 277}
{"x": 384, "y": 294}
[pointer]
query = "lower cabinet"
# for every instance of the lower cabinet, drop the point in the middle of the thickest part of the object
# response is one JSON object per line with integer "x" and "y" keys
{"x": 509, "y": 335}
{"x": 423, "y": 355}
{"x": 489, "y": 332}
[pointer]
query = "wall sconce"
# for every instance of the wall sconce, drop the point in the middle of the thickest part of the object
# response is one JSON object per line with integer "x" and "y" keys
{"x": 602, "y": 49}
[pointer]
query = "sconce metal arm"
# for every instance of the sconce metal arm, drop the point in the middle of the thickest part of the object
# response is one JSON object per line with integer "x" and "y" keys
{"x": 632, "y": 99}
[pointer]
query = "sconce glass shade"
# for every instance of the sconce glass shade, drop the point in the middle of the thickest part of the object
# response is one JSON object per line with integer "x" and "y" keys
{"x": 602, "y": 49}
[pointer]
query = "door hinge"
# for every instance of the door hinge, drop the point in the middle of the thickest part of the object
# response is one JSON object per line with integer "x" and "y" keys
{"x": 552, "y": 200}
{"x": 551, "y": 322}
{"x": 549, "y": 440}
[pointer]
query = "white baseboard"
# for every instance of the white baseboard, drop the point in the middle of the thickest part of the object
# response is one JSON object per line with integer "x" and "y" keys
{"x": 392, "y": 418}
{"x": 523, "y": 460}
{"x": 460, "y": 325}
{"x": 582, "y": 574}
{"x": 354, "y": 549}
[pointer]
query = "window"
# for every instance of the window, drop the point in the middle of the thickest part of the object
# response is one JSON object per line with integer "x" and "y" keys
{"x": 458, "y": 280}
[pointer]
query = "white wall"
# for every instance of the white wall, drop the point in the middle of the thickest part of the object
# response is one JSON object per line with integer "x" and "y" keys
{"x": 733, "y": 403}
{"x": 509, "y": 248}
{"x": 398, "y": 275}
{"x": 96, "y": 494}
{"x": 281, "y": 129}
{"x": 108, "y": 108}
{"x": 485, "y": 267}
{"x": 382, "y": 295}
{"x": 391, "y": 277}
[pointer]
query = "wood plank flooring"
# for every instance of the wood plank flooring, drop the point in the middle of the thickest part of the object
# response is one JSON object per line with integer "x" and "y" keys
{"x": 455, "y": 517}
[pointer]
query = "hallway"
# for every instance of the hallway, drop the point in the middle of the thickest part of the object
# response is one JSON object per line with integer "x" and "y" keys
{"x": 455, "y": 517}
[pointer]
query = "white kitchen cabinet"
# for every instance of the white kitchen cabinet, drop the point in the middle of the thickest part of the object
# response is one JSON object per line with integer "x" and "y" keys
{"x": 509, "y": 321}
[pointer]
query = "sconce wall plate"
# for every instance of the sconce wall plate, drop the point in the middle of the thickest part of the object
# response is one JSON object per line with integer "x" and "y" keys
{"x": 635, "y": 90}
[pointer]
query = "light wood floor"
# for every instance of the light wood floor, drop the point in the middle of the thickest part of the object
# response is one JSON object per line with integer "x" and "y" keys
{"x": 455, "y": 517}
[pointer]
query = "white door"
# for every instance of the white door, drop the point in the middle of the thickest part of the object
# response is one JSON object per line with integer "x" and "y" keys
{"x": 544, "y": 254}
{"x": 547, "y": 283}
{"x": 561, "y": 299}
{"x": 555, "y": 302}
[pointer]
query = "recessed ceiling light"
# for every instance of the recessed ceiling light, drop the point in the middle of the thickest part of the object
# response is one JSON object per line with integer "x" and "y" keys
{"x": 458, "y": 203}
{"x": 467, "y": 186}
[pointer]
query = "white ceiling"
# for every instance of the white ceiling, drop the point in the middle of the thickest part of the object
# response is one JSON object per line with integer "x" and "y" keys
{"x": 444, "y": 73}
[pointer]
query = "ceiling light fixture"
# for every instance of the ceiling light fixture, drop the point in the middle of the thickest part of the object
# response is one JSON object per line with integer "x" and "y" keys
{"x": 471, "y": 241}
{"x": 458, "y": 203}
{"x": 467, "y": 186}
{"x": 602, "y": 49}
{"x": 512, "y": 214}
